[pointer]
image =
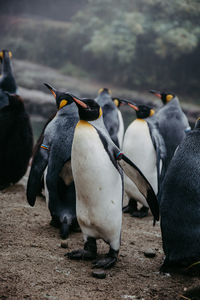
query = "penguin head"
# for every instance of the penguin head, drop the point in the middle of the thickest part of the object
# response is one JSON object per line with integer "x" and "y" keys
{"x": 164, "y": 96}
{"x": 5, "y": 54}
{"x": 144, "y": 112}
{"x": 117, "y": 102}
{"x": 104, "y": 91}
{"x": 89, "y": 109}
{"x": 62, "y": 98}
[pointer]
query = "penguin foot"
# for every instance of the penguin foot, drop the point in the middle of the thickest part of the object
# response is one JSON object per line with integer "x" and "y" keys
{"x": 105, "y": 263}
{"x": 143, "y": 212}
{"x": 81, "y": 254}
{"x": 108, "y": 261}
{"x": 131, "y": 207}
{"x": 185, "y": 268}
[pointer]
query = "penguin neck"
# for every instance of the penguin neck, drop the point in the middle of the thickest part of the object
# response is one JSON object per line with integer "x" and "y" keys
{"x": 140, "y": 120}
{"x": 6, "y": 66}
{"x": 82, "y": 123}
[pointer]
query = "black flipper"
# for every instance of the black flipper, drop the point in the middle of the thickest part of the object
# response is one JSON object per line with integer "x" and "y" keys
{"x": 160, "y": 148}
{"x": 37, "y": 169}
{"x": 141, "y": 182}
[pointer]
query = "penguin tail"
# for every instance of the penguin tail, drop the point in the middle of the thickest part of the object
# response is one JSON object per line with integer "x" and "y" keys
{"x": 64, "y": 228}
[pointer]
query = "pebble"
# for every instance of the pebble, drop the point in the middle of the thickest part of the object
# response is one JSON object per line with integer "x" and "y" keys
{"x": 64, "y": 245}
{"x": 99, "y": 274}
{"x": 149, "y": 253}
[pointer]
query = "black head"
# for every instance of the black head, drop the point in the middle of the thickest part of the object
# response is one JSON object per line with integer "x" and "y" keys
{"x": 89, "y": 109}
{"x": 117, "y": 102}
{"x": 164, "y": 96}
{"x": 144, "y": 112}
{"x": 62, "y": 98}
{"x": 5, "y": 54}
{"x": 104, "y": 91}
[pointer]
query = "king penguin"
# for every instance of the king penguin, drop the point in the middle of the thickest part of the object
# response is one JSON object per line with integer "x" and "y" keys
{"x": 98, "y": 177}
{"x": 16, "y": 138}
{"x": 172, "y": 123}
{"x": 120, "y": 133}
{"x": 180, "y": 208}
{"x": 7, "y": 79}
{"x": 110, "y": 114}
{"x": 53, "y": 160}
{"x": 145, "y": 147}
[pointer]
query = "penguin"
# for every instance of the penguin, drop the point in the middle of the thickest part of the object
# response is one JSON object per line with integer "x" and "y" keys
{"x": 53, "y": 161}
{"x": 97, "y": 170}
{"x": 7, "y": 79}
{"x": 120, "y": 134}
{"x": 16, "y": 139}
{"x": 145, "y": 147}
{"x": 172, "y": 123}
{"x": 110, "y": 114}
{"x": 180, "y": 208}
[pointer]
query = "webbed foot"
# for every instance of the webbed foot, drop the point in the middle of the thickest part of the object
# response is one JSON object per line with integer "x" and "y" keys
{"x": 131, "y": 207}
{"x": 143, "y": 212}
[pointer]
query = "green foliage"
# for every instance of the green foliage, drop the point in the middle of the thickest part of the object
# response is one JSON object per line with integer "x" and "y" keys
{"x": 136, "y": 43}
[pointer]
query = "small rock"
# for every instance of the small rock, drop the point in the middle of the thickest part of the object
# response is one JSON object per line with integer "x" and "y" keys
{"x": 99, "y": 274}
{"x": 149, "y": 253}
{"x": 64, "y": 245}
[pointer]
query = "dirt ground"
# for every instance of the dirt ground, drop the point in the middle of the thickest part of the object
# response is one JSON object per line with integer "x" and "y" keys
{"x": 33, "y": 265}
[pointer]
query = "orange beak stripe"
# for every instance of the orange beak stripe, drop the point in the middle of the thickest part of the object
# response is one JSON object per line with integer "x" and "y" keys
{"x": 81, "y": 103}
{"x": 158, "y": 95}
{"x": 133, "y": 106}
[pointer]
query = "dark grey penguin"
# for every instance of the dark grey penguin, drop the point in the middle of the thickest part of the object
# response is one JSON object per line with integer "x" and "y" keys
{"x": 7, "y": 80}
{"x": 97, "y": 170}
{"x": 180, "y": 207}
{"x": 110, "y": 114}
{"x": 172, "y": 124}
{"x": 16, "y": 139}
{"x": 53, "y": 160}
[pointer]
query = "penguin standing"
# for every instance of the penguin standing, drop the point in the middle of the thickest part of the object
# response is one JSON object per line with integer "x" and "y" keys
{"x": 172, "y": 124}
{"x": 110, "y": 114}
{"x": 16, "y": 137}
{"x": 120, "y": 133}
{"x": 53, "y": 160}
{"x": 98, "y": 178}
{"x": 145, "y": 147}
{"x": 180, "y": 207}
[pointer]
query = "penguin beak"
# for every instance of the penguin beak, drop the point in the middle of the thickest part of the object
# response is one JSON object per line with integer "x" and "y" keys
{"x": 79, "y": 102}
{"x": 131, "y": 104}
{"x": 156, "y": 93}
{"x": 53, "y": 91}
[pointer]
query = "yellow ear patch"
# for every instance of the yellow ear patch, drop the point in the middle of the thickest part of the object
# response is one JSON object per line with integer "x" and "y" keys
{"x": 100, "y": 91}
{"x": 1, "y": 54}
{"x": 10, "y": 54}
{"x": 100, "y": 112}
{"x": 116, "y": 101}
{"x": 63, "y": 103}
{"x": 152, "y": 112}
{"x": 169, "y": 97}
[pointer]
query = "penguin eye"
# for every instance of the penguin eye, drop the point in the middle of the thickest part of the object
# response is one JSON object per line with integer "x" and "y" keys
{"x": 63, "y": 103}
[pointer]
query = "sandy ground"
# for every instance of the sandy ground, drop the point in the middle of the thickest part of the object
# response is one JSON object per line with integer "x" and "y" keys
{"x": 33, "y": 265}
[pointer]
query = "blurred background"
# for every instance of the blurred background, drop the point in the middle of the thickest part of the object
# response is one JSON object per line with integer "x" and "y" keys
{"x": 130, "y": 46}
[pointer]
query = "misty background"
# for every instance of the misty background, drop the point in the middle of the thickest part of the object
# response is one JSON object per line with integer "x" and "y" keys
{"x": 81, "y": 45}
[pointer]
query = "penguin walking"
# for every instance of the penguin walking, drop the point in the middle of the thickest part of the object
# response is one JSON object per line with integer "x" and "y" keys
{"x": 120, "y": 134}
{"x": 172, "y": 123}
{"x": 16, "y": 137}
{"x": 180, "y": 208}
{"x": 98, "y": 177}
{"x": 110, "y": 114}
{"x": 145, "y": 147}
{"x": 53, "y": 161}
